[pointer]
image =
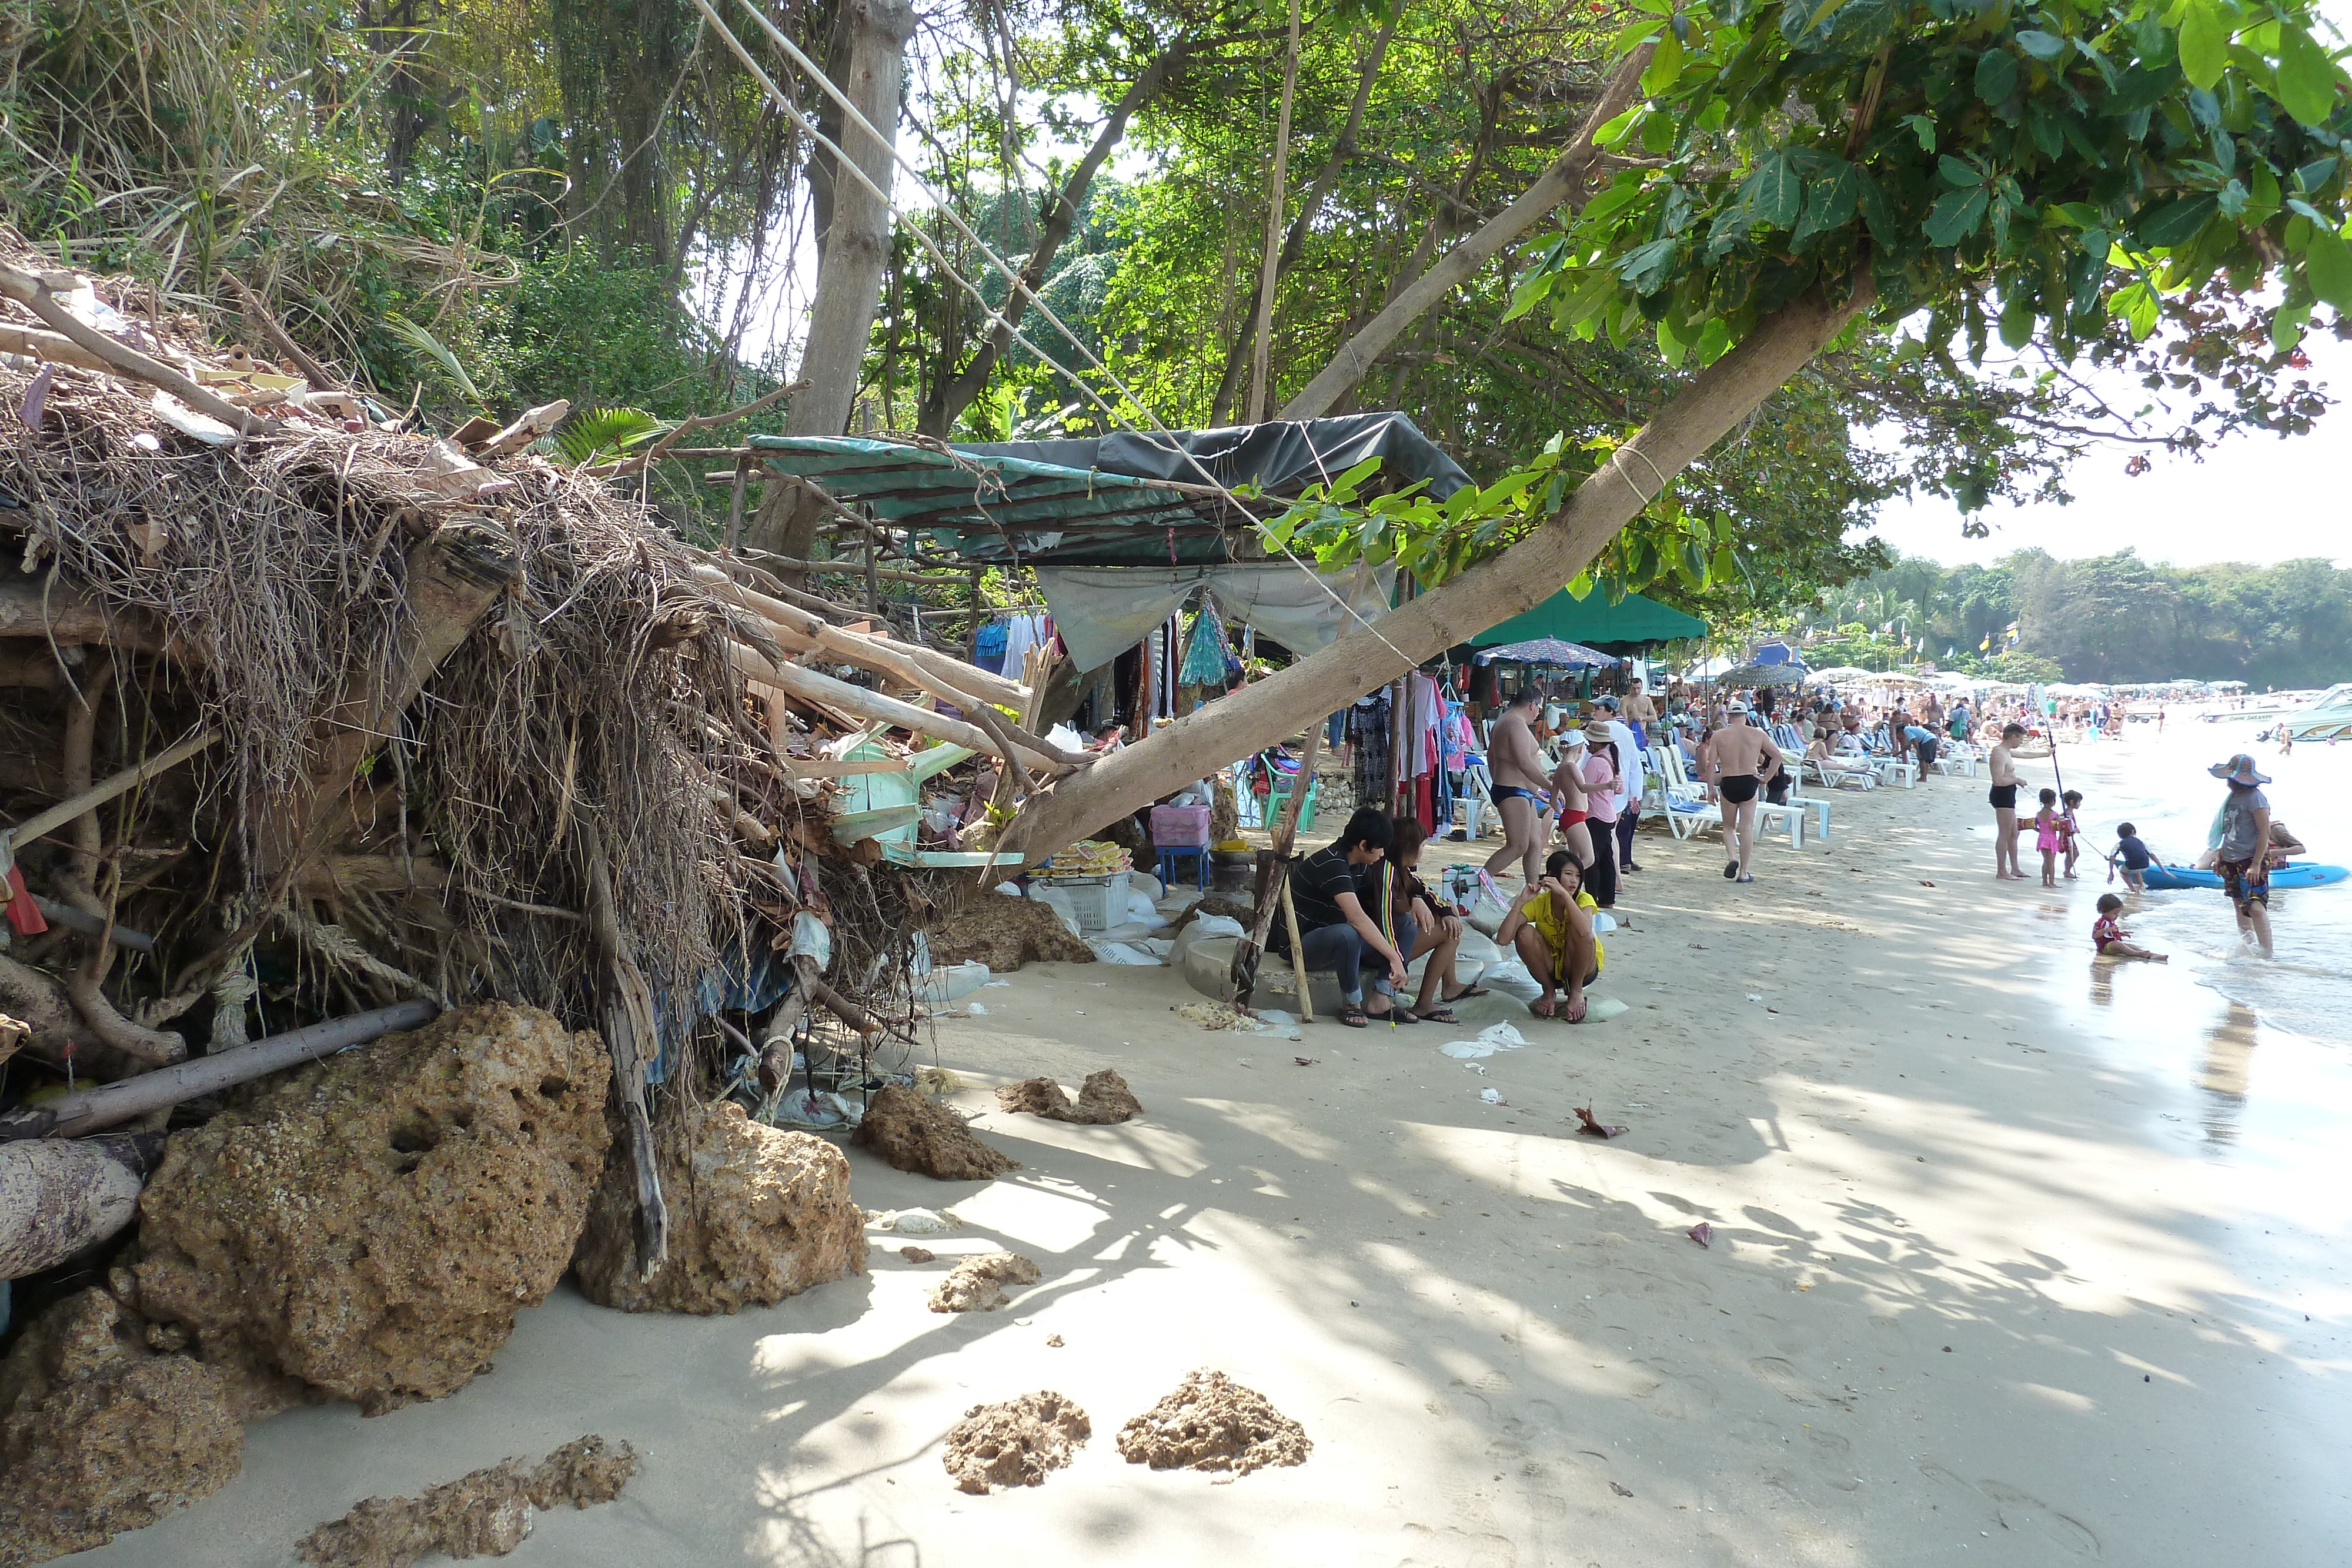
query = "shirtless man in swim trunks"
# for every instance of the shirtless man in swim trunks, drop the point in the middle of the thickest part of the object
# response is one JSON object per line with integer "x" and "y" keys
{"x": 1739, "y": 758}
{"x": 1522, "y": 797}
{"x": 2003, "y": 796}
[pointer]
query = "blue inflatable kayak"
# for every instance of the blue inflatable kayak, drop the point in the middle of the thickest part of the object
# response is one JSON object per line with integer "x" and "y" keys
{"x": 2294, "y": 873}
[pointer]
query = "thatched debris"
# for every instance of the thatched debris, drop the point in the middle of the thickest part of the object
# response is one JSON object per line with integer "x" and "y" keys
{"x": 485, "y": 1513}
{"x": 1004, "y": 933}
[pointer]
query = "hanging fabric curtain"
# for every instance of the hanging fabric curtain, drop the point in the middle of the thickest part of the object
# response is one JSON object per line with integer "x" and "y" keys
{"x": 1103, "y": 611}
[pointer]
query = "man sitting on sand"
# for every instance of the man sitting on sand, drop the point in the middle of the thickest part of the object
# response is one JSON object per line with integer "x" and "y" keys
{"x": 1739, "y": 758}
{"x": 1550, "y": 928}
{"x": 1335, "y": 933}
{"x": 1521, "y": 798}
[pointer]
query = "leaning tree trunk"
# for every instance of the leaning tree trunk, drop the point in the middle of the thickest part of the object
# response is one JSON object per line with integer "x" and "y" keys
{"x": 1562, "y": 181}
{"x": 849, "y": 278}
{"x": 1715, "y": 400}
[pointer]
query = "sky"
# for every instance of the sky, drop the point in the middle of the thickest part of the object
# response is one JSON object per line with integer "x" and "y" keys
{"x": 2256, "y": 498}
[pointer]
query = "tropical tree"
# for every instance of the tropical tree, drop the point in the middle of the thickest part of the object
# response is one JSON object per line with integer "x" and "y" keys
{"x": 1794, "y": 173}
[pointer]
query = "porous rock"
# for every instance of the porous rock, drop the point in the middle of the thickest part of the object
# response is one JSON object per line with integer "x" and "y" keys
{"x": 486, "y": 1513}
{"x": 756, "y": 1214}
{"x": 1104, "y": 1098}
{"x": 371, "y": 1223}
{"x": 1211, "y": 1423}
{"x": 98, "y": 1435}
{"x": 1004, "y": 933}
{"x": 1016, "y": 1442}
{"x": 976, "y": 1284}
{"x": 912, "y": 1133}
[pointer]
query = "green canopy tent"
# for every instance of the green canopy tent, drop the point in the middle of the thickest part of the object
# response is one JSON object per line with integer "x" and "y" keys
{"x": 1594, "y": 621}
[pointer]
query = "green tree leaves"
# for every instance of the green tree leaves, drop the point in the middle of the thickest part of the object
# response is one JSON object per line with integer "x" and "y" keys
{"x": 2306, "y": 78}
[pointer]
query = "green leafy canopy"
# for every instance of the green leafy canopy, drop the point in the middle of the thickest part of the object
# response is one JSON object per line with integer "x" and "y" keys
{"x": 2059, "y": 174}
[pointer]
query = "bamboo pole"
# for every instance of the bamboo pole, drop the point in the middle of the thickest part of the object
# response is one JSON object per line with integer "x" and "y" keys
{"x": 91, "y": 1110}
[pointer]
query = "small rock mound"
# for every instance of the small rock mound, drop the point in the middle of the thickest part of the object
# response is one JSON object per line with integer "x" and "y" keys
{"x": 977, "y": 1283}
{"x": 484, "y": 1515}
{"x": 1016, "y": 1442}
{"x": 371, "y": 1223}
{"x": 98, "y": 1436}
{"x": 755, "y": 1215}
{"x": 1211, "y": 1423}
{"x": 912, "y": 1133}
{"x": 1005, "y": 932}
{"x": 1103, "y": 1099}
{"x": 917, "y": 1254}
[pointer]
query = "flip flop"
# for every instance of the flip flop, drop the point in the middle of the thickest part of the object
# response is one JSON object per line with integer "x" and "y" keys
{"x": 1354, "y": 1018}
{"x": 1434, "y": 1015}
{"x": 1467, "y": 991}
{"x": 1543, "y": 1009}
{"x": 1731, "y": 871}
{"x": 1575, "y": 1011}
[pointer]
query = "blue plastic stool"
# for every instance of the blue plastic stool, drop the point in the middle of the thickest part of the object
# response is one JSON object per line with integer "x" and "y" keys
{"x": 1167, "y": 865}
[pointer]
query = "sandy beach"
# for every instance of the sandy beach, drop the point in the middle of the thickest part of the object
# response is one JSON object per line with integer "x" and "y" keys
{"x": 2016, "y": 1259}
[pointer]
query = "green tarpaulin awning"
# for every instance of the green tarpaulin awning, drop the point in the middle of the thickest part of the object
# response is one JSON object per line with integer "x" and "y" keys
{"x": 1593, "y": 620}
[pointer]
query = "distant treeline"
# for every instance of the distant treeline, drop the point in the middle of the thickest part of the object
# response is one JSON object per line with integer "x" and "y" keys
{"x": 2118, "y": 617}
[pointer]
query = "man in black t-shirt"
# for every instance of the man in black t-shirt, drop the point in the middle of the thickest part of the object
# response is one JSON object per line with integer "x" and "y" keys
{"x": 1334, "y": 932}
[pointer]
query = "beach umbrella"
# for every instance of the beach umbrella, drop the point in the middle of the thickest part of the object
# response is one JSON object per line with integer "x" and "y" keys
{"x": 1842, "y": 672}
{"x": 1549, "y": 651}
{"x": 1764, "y": 676}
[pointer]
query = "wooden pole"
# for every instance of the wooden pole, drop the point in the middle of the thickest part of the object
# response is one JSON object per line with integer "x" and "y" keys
{"x": 1245, "y": 954}
{"x": 735, "y": 503}
{"x": 1297, "y": 956}
{"x": 90, "y": 1109}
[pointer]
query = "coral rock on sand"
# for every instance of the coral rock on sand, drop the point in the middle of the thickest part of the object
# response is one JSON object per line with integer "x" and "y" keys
{"x": 1005, "y": 932}
{"x": 1103, "y": 1099}
{"x": 755, "y": 1215}
{"x": 1211, "y": 1423}
{"x": 371, "y": 1223}
{"x": 977, "y": 1283}
{"x": 485, "y": 1514}
{"x": 912, "y": 1133}
{"x": 98, "y": 1435}
{"x": 1016, "y": 1442}
{"x": 917, "y": 1254}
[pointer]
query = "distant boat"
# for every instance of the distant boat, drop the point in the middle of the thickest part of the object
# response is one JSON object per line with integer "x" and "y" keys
{"x": 2329, "y": 718}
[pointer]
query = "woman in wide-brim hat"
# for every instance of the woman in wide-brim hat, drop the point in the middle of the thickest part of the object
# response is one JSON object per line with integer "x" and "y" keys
{"x": 2242, "y": 847}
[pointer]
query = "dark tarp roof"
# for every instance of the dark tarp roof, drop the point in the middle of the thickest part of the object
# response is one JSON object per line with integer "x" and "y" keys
{"x": 1119, "y": 500}
{"x": 1595, "y": 620}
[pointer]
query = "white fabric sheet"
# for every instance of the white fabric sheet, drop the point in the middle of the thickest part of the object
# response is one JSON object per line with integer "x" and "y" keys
{"x": 1101, "y": 611}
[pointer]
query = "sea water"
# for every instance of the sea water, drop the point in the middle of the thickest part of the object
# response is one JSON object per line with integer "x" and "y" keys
{"x": 2158, "y": 781}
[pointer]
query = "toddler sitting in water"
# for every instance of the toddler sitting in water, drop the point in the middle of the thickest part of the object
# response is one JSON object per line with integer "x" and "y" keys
{"x": 2107, "y": 933}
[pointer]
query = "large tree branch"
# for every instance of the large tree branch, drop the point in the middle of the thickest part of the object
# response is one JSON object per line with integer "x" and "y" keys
{"x": 1713, "y": 402}
{"x": 1557, "y": 184}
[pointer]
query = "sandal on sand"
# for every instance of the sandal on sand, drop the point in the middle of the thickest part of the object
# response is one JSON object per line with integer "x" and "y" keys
{"x": 1731, "y": 871}
{"x": 1575, "y": 1012}
{"x": 1543, "y": 1008}
{"x": 1440, "y": 1014}
{"x": 1466, "y": 992}
{"x": 1354, "y": 1018}
{"x": 1747, "y": 879}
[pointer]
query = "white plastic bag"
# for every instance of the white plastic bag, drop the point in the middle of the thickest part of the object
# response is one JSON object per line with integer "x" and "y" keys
{"x": 1211, "y": 925}
{"x": 1512, "y": 979}
{"x": 1122, "y": 953}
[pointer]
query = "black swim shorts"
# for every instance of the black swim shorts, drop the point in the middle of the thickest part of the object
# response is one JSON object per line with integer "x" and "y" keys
{"x": 2003, "y": 797}
{"x": 1739, "y": 787}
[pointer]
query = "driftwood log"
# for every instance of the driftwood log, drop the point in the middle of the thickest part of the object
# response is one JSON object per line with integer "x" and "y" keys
{"x": 58, "y": 1198}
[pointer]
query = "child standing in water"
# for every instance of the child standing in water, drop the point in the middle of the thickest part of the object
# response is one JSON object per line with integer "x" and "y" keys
{"x": 2131, "y": 850}
{"x": 2107, "y": 933}
{"x": 2070, "y": 829}
{"x": 2046, "y": 837}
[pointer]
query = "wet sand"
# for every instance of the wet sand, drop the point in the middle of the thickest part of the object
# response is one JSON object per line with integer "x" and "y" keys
{"x": 2018, "y": 1258}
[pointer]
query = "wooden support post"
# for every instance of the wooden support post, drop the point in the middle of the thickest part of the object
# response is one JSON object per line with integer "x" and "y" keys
{"x": 1297, "y": 956}
{"x": 1245, "y": 953}
{"x": 735, "y": 505}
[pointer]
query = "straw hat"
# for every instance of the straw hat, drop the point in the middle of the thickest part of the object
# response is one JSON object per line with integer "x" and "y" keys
{"x": 2239, "y": 769}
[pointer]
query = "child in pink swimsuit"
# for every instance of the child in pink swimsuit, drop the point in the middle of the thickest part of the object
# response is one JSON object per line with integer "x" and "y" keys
{"x": 2048, "y": 837}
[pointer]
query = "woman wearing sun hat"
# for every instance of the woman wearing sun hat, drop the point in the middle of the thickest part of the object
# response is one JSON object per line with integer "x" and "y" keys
{"x": 2242, "y": 850}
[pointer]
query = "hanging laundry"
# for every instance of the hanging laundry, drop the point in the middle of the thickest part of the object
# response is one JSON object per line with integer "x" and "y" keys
{"x": 1208, "y": 657}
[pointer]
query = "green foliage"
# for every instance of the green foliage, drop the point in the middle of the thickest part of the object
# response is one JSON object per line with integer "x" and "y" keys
{"x": 599, "y": 435}
{"x": 2111, "y": 618}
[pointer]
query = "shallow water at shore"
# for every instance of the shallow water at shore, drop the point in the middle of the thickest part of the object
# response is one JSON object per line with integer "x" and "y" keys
{"x": 2159, "y": 783}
